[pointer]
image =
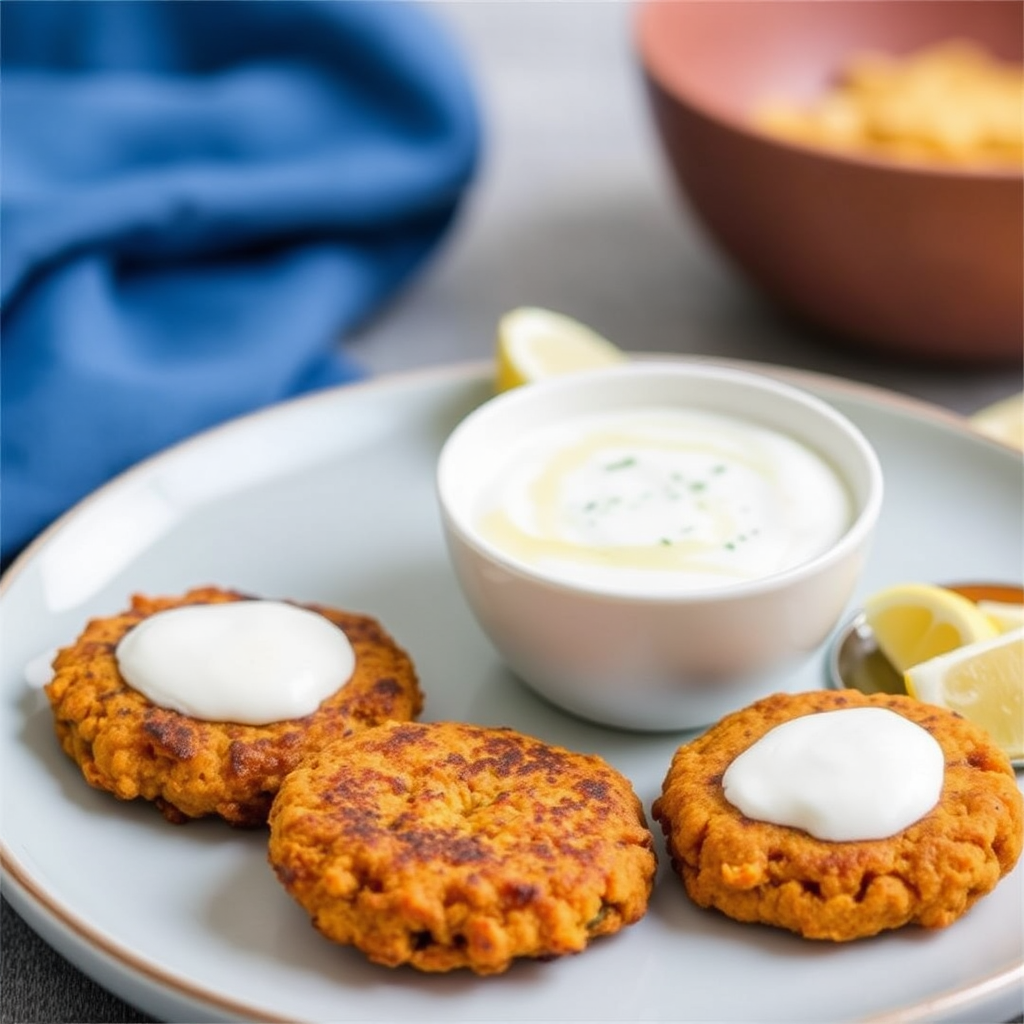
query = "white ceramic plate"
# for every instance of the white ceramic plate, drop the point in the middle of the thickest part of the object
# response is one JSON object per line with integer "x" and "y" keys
{"x": 331, "y": 498}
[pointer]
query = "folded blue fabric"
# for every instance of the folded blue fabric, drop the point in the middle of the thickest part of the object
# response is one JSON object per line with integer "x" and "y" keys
{"x": 199, "y": 199}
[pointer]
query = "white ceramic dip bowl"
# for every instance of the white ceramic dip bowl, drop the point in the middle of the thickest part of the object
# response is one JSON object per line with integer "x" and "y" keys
{"x": 652, "y": 545}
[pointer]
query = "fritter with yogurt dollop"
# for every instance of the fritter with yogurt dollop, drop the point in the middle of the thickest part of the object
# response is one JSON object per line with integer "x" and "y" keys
{"x": 191, "y": 767}
{"x": 446, "y": 845}
{"x": 927, "y": 873}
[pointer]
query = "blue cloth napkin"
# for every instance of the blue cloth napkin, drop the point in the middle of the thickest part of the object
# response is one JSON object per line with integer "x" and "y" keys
{"x": 199, "y": 199}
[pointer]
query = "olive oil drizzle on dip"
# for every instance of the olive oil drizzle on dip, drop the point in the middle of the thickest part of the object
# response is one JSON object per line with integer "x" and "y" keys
{"x": 663, "y": 498}
{"x": 253, "y": 662}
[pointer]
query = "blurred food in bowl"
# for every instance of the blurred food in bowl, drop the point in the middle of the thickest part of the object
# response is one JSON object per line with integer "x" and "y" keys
{"x": 915, "y": 257}
{"x": 949, "y": 103}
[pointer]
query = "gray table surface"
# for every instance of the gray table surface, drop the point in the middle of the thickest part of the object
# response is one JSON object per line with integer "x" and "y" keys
{"x": 573, "y": 209}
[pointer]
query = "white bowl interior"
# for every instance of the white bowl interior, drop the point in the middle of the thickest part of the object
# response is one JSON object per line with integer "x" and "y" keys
{"x": 478, "y": 445}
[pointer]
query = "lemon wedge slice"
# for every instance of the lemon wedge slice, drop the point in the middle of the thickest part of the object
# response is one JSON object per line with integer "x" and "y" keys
{"x": 914, "y": 622}
{"x": 1004, "y": 614}
{"x": 1003, "y": 420}
{"x": 535, "y": 343}
{"x": 984, "y": 682}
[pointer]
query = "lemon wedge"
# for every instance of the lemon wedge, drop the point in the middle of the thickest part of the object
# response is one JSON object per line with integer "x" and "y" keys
{"x": 1003, "y": 420}
{"x": 914, "y": 622}
{"x": 535, "y": 343}
{"x": 984, "y": 682}
{"x": 1004, "y": 614}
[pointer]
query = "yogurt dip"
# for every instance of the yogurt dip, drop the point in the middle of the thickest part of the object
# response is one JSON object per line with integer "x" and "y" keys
{"x": 252, "y": 662}
{"x": 662, "y": 499}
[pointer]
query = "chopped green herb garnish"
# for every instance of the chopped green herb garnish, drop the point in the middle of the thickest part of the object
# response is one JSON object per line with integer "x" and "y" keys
{"x": 697, "y": 486}
{"x": 665, "y": 542}
{"x": 621, "y": 463}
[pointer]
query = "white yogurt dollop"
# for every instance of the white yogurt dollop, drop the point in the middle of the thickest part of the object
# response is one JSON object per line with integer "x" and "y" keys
{"x": 252, "y": 662}
{"x": 663, "y": 499}
{"x": 851, "y": 774}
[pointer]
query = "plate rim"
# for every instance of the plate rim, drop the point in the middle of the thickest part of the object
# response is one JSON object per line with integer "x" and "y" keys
{"x": 482, "y": 370}
{"x": 34, "y": 903}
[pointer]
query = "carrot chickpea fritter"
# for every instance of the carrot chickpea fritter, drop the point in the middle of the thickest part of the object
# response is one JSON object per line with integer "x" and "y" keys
{"x": 189, "y": 767}
{"x": 930, "y": 873}
{"x": 447, "y": 845}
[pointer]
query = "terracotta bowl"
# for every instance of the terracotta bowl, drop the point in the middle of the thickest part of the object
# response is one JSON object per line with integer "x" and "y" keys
{"x": 921, "y": 260}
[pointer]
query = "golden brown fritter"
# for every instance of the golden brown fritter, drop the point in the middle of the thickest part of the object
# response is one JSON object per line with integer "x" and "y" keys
{"x": 447, "y": 845}
{"x": 928, "y": 874}
{"x": 191, "y": 768}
